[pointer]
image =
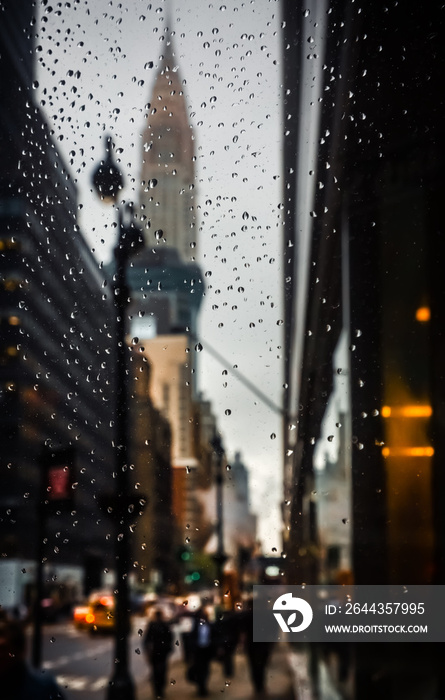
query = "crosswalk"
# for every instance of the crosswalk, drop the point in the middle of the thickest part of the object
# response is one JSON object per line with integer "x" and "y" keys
{"x": 77, "y": 656}
{"x": 84, "y": 683}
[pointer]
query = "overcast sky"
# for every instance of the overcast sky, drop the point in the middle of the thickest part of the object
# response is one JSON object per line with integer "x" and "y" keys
{"x": 97, "y": 63}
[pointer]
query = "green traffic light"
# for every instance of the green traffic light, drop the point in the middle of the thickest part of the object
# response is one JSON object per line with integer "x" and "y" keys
{"x": 185, "y": 556}
{"x": 196, "y": 576}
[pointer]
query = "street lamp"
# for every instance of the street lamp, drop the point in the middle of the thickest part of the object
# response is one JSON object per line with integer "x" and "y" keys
{"x": 107, "y": 180}
{"x": 220, "y": 556}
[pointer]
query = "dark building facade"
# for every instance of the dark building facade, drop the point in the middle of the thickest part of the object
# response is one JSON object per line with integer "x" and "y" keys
{"x": 156, "y": 536}
{"x": 364, "y": 146}
{"x": 56, "y": 330}
{"x": 166, "y": 290}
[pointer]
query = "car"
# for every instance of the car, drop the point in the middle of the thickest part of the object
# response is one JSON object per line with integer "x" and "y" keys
{"x": 100, "y": 617}
{"x": 80, "y": 613}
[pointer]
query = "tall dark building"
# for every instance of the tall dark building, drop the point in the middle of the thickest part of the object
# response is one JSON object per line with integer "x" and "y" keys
{"x": 364, "y": 147}
{"x": 155, "y": 540}
{"x": 166, "y": 282}
{"x": 56, "y": 331}
{"x": 168, "y": 189}
{"x": 165, "y": 279}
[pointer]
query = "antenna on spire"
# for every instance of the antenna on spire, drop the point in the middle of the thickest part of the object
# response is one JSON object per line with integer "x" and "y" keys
{"x": 169, "y": 55}
{"x": 168, "y": 23}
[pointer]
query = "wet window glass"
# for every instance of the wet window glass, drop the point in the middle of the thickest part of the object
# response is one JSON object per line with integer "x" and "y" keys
{"x": 220, "y": 339}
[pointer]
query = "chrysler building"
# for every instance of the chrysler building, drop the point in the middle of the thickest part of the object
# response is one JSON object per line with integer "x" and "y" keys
{"x": 166, "y": 282}
{"x": 168, "y": 163}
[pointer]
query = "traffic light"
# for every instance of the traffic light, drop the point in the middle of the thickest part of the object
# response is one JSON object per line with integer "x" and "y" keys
{"x": 58, "y": 476}
{"x": 184, "y": 554}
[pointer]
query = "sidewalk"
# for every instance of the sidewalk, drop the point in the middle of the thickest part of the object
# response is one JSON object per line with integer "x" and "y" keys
{"x": 278, "y": 681}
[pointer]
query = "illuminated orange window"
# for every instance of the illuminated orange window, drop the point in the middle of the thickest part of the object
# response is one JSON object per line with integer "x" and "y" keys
{"x": 10, "y": 284}
{"x": 9, "y": 244}
{"x": 424, "y": 451}
{"x": 423, "y": 314}
{"x": 408, "y": 411}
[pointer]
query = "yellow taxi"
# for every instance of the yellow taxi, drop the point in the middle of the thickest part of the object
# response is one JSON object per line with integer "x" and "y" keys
{"x": 80, "y": 613}
{"x": 100, "y": 615}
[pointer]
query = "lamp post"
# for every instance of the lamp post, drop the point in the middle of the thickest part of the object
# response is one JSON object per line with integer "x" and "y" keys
{"x": 107, "y": 180}
{"x": 220, "y": 556}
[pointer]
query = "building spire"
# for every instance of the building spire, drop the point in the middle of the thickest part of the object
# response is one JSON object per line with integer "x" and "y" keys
{"x": 169, "y": 24}
{"x": 168, "y": 162}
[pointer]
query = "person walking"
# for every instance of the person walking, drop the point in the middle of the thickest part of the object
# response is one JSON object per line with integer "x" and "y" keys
{"x": 202, "y": 647}
{"x": 258, "y": 654}
{"x": 226, "y": 640}
{"x": 157, "y": 644}
{"x": 17, "y": 680}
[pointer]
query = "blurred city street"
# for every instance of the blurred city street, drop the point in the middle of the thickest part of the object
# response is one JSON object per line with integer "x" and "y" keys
{"x": 82, "y": 665}
{"x": 222, "y": 339}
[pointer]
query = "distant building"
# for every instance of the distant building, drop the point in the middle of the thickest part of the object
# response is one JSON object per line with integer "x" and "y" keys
{"x": 166, "y": 282}
{"x": 166, "y": 293}
{"x": 168, "y": 186}
{"x": 171, "y": 393}
{"x": 156, "y": 537}
{"x": 204, "y": 430}
{"x": 239, "y": 521}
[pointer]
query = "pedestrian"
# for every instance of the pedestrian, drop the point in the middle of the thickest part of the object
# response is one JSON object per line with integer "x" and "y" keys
{"x": 202, "y": 648}
{"x": 17, "y": 680}
{"x": 226, "y": 634}
{"x": 258, "y": 653}
{"x": 157, "y": 644}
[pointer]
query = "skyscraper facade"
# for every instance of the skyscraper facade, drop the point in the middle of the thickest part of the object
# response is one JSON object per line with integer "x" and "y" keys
{"x": 56, "y": 350}
{"x": 364, "y": 182}
{"x": 168, "y": 195}
{"x": 165, "y": 280}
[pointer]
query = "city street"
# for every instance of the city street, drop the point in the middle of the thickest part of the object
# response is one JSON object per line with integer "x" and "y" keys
{"x": 82, "y": 666}
{"x": 81, "y": 662}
